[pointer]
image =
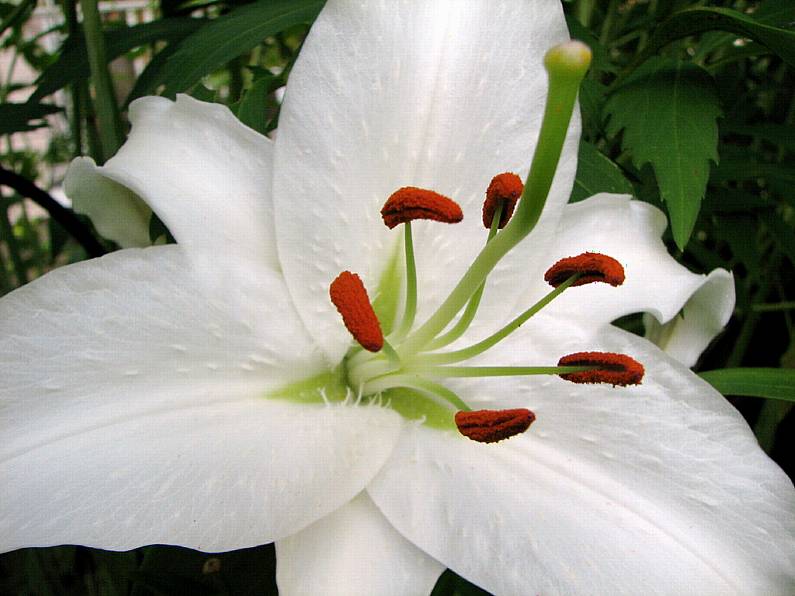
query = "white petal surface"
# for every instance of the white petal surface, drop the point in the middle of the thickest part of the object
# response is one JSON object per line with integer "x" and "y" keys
{"x": 440, "y": 94}
{"x": 116, "y": 212}
{"x": 630, "y": 232}
{"x": 206, "y": 175}
{"x": 354, "y": 551}
{"x": 656, "y": 489}
{"x": 132, "y": 412}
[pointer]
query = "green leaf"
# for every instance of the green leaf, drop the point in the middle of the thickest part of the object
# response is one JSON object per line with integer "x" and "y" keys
{"x": 697, "y": 20}
{"x": 771, "y": 383}
{"x": 231, "y": 35}
{"x": 151, "y": 77}
{"x": 72, "y": 63}
{"x": 668, "y": 111}
{"x": 597, "y": 173}
{"x": 20, "y": 117}
{"x": 252, "y": 110}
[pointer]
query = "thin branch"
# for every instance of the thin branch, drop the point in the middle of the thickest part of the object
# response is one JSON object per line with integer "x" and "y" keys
{"x": 58, "y": 212}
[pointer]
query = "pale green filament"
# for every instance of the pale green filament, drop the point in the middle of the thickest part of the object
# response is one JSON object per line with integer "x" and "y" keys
{"x": 361, "y": 369}
{"x": 474, "y": 302}
{"x": 411, "y": 284}
{"x": 442, "y": 372}
{"x": 390, "y": 353}
{"x": 411, "y": 381}
{"x": 495, "y": 338}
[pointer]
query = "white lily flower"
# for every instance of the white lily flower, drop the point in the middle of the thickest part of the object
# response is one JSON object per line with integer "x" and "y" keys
{"x": 188, "y": 394}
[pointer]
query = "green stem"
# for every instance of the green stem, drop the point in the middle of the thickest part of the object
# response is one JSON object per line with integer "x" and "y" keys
{"x": 105, "y": 101}
{"x": 566, "y": 65}
{"x": 482, "y": 346}
{"x": 496, "y": 371}
{"x": 474, "y": 302}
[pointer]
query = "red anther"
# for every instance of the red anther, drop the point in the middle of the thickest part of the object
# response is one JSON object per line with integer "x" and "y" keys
{"x": 591, "y": 265}
{"x": 616, "y": 369}
{"x": 490, "y": 426}
{"x": 410, "y": 203}
{"x": 505, "y": 187}
{"x": 350, "y": 297}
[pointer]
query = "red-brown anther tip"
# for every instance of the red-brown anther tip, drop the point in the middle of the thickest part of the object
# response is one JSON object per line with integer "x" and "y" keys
{"x": 490, "y": 426}
{"x": 505, "y": 187}
{"x": 616, "y": 369}
{"x": 410, "y": 203}
{"x": 591, "y": 265}
{"x": 350, "y": 297}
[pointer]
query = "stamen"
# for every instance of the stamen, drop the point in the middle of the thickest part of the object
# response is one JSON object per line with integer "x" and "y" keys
{"x": 616, "y": 369}
{"x": 410, "y": 203}
{"x": 350, "y": 297}
{"x": 591, "y": 266}
{"x": 490, "y": 426}
{"x": 504, "y": 189}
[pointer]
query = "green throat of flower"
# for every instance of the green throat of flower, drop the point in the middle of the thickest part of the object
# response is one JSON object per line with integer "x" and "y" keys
{"x": 406, "y": 369}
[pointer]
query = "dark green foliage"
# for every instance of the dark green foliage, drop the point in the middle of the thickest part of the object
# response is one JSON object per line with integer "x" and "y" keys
{"x": 595, "y": 174}
{"x": 231, "y": 35}
{"x": 18, "y": 117}
{"x": 667, "y": 110}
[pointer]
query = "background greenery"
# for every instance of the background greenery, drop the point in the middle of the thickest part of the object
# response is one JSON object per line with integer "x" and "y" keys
{"x": 689, "y": 106}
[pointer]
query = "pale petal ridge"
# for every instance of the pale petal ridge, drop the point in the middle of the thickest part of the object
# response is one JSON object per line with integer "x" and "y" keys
{"x": 354, "y": 551}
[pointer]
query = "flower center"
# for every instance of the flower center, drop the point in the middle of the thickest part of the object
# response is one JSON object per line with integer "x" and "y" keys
{"x": 406, "y": 370}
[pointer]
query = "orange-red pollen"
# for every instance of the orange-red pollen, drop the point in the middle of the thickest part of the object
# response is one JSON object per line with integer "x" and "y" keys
{"x": 505, "y": 188}
{"x": 592, "y": 267}
{"x": 410, "y": 203}
{"x": 490, "y": 426}
{"x": 350, "y": 297}
{"x": 616, "y": 369}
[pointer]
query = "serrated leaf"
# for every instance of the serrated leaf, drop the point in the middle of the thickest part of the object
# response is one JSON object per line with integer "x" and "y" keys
{"x": 668, "y": 111}
{"x": 596, "y": 173}
{"x": 772, "y": 383}
{"x": 697, "y": 20}
{"x": 21, "y": 117}
{"x": 72, "y": 63}
{"x": 231, "y": 35}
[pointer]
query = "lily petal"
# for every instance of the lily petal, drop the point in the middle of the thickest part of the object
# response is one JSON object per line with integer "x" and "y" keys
{"x": 144, "y": 418}
{"x": 655, "y": 489}
{"x": 354, "y": 551}
{"x": 630, "y": 232}
{"x": 438, "y": 94}
{"x": 206, "y": 175}
{"x": 688, "y": 334}
{"x": 116, "y": 212}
